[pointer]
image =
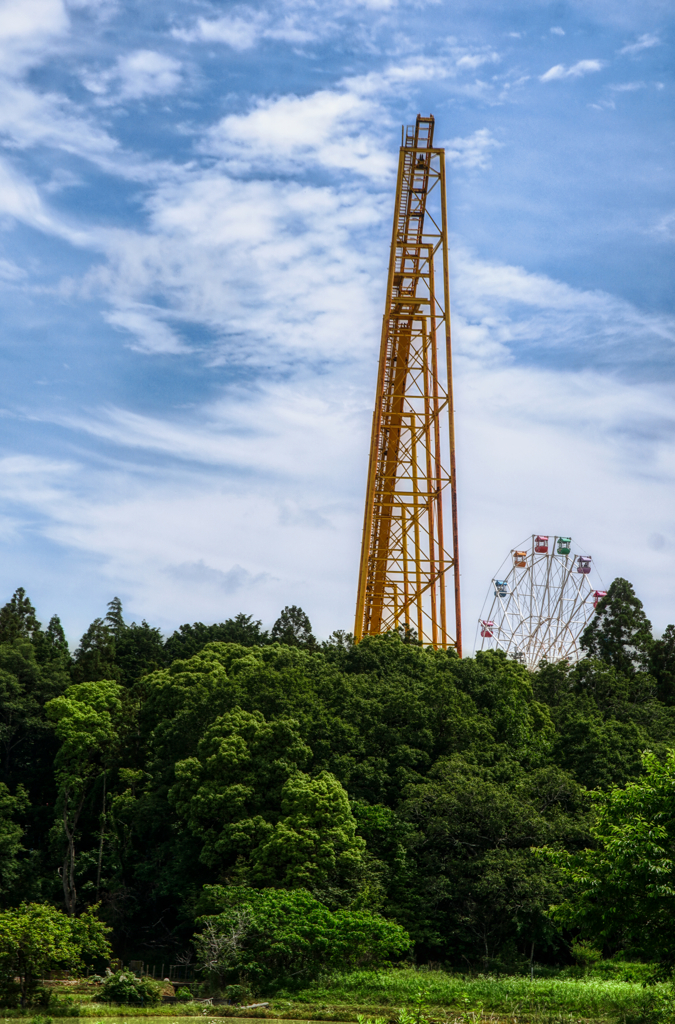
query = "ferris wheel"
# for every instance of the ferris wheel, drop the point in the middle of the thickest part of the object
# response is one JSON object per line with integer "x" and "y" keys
{"x": 541, "y": 602}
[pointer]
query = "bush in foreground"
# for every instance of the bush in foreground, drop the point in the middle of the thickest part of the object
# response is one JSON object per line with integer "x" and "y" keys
{"x": 266, "y": 938}
{"x": 124, "y": 987}
{"x": 35, "y": 939}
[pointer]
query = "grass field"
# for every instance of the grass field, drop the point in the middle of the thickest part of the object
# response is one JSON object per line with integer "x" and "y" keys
{"x": 447, "y": 994}
{"x": 411, "y": 997}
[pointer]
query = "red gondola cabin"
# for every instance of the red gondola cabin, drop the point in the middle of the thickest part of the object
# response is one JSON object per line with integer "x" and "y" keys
{"x": 541, "y": 545}
{"x": 598, "y": 596}
{"x": 486, "y": 627}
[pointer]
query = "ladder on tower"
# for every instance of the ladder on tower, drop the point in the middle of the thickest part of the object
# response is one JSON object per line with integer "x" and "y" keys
{"x": 404, "y": 557}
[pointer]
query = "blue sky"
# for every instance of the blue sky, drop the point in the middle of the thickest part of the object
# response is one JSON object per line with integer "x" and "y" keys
{"x": 195, "y": 209}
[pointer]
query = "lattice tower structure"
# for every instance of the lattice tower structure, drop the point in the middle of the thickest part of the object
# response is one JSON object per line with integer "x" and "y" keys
{"x": 406, "y": 554}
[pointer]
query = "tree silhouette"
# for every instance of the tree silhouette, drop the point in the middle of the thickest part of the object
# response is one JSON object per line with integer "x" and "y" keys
{"x": 293, "y": 628}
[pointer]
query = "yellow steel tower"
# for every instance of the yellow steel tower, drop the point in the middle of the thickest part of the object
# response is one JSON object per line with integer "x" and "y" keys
{"x": 405, "y": 554}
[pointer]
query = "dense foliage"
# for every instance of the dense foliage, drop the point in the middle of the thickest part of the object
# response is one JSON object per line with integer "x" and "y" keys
{"x": 36, "y": 938}
{"x": 402, "y": 786}
{"x": 274, "y": 937}
{"x": 125, "y": 987}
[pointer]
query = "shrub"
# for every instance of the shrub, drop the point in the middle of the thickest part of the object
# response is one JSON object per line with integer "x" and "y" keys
{"x": 274, "y": 937}
{"x": 36, "y": 938}
{"x": 124, "y": 987}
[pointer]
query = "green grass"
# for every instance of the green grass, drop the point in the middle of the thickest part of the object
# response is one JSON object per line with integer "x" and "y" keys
{"x": 448, "y": 994}
{"x": 448, "y": 998}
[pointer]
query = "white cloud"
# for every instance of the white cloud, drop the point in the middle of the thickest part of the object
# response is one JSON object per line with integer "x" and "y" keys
{"x": 341, "y": 129}
{"x": 136, "y": 75}
{"x": 243, "y": 30}
{"x": 24, "y": 19}
{"x": 582, "y": 67}
{"x": 235, "y": 579}
{"x": 471, "y": 152}
{"x": 628, "y": 86}
{"x": 152, "y": 336}
{"x": 665, "y": 228}
{"x": 557, "y": 31}
{"x": 471, "y": 61}
{"x": 19, "y": 198}
{"x": 603, "y": 105}
{"x": 241, "y": 33}
{"x": 27, "y": 28}
{"x": 260, "y": 265}
{"x": 645, "y": 42}
{"x": 28, "y": 118}
{"x": 326, "y": 128}
{"x": 9, "y": 271}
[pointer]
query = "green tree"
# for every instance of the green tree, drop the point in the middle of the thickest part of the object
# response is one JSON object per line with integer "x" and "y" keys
{"x": 17, "y": 618}
{"x": 138, "y": 649}
{"x": 25, "y": 686}
{"x": 85, "y": 720}
{"x": 314, "y": 844}
{"x": 51, "y": 644}
{"x": 662, "y": 665}
{"x": 36, "y": 938}
{"x": 293, "y": 628}
{"x": 95, "y": 656}
{"x": 622, "y": 892}
{"x": 272, "y": 937}
{"x": 189, "y": 640}
{"x": 481, "y": 887}
{"x": 619, "y": 633}
{"x": 11, "y": 838}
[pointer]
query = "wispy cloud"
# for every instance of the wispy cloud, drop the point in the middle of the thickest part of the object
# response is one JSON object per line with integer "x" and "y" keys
{"x": 645, "y": 42}
{"x": 244, "y": 29}
{"x": 471, "y": 61}
{"x": 665, "y": 227}
{"x": 324, "y": 128}
{"x": 578, "y": 70}
{"x": 472, "y": 152}
{"x": 28, "y": 28}
{"x": 150, "y": 334}
{"x": 628, "y": 86}
{"x": 557, "y": 30}
{"x": 233, "y": 580}
{"x": 137, "y": 75}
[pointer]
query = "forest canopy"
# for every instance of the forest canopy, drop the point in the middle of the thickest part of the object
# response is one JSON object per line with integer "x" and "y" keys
{"x": 397, "y": 799}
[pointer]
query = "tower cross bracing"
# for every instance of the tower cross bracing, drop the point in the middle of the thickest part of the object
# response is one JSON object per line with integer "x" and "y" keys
{"x": 406, "y": 553}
